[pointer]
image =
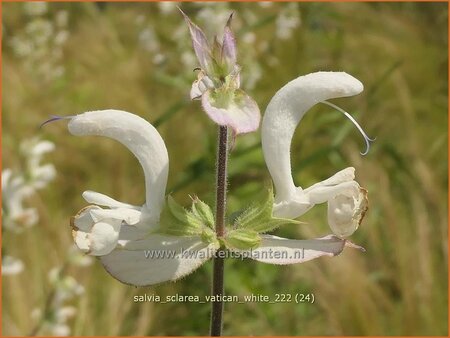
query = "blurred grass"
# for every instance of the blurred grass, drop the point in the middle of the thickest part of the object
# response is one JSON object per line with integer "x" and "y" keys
{"x": 399, "y": 52}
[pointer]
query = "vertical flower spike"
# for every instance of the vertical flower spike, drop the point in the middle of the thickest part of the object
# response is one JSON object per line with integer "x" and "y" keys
{"x": 347, "y": 203}
{"x": 125, "y": 237}
{"x": 218, "y": 81}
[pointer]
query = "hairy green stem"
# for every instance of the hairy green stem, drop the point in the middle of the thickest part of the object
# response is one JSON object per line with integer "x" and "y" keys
{"x": 217, "y": 291}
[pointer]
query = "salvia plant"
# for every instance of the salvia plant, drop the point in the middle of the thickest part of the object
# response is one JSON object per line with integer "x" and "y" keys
{"x": 161, "y": 240}
{"x": 52, "y": 319}
{"x": 18, "y": 185}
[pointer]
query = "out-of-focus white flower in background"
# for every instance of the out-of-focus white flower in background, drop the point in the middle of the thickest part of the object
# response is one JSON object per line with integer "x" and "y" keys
{"x": 35, "y": 8}
{"x": 41, "y": 30}
{"x": 17, "y": 187}
{"x": 211, "y": 18}
{"x": 265, "y": 4}
{"x": 11, "y": 266}
{"x": 53, "y": 318}
{"x": 66, "y": 286}
{"x": 39, "y": 44}
{"x": 287, "y": 21}
{"x": 167, "y": 7}
{"x": 62, "y": 18}
{"x": 39, "y": 174}
{"x": 15, "y": 190}
{"x": 78, "y": 258}
{"x": 148, "y": 40}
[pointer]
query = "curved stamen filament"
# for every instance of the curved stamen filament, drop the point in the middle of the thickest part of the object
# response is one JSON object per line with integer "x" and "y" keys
{"x": 55, "y": 118}
{"x": 367, "y": 139}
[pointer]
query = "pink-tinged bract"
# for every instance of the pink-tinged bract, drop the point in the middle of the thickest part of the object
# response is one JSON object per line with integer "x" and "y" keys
{"x": 241, "y": 114}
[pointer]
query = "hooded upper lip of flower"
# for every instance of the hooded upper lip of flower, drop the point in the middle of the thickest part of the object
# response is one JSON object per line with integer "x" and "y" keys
{"x": 218, "y": 82}
{"x": 120, "y": 234}
{"x": 347, "y": 201}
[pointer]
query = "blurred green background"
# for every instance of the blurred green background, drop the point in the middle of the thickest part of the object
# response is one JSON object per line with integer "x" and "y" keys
{"x": 67, "y": 58}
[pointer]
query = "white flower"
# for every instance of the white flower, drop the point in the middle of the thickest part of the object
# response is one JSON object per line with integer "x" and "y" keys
{"x": 35, "y": 8}
{"x": 158, "y": 58}
{"x": 212, "y": 17}
{"x": 52, "y": 320}
{"x": 40, "y": 30}
{"x": 121, "y": 234}
{"x": 287, "y": 21}
{"x": 14, "y": 191}
{"x": 347, "y": 201}
{"x": 39, "y": 175}
{"x": 21, "y": 47}
{"x": 167, "y": 7}
{"x": 66, "y": 287}
{"x": 265, "y": 4}
{"x": 188, "y": 59}
{"x": 15, "y": 188}
{"x": 59, "y": 330}
{"x": 11, "y": 266}
{"x": 64, "y": 313}
{"x": 149, "y": 40}
{"x": 62, "y": 18}
{"x": 60, "y": 38}
{"x": 78, "y": 258}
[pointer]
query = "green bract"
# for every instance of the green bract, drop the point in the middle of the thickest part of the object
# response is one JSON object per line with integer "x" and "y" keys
{"x": 258, "y": 217}
{"x": 203, "y": 211}
{"x": 242, "y": 239}
{"x": 243, "y": 234}
{"x": 177, "y": 221}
